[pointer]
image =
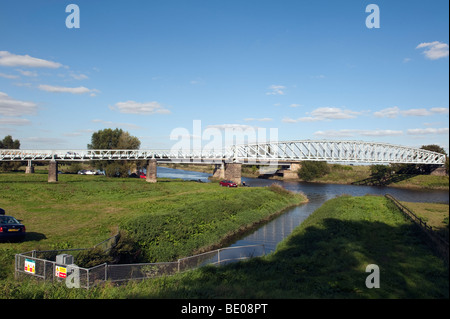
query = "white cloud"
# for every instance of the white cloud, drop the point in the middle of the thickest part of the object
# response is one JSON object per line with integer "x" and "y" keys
{"x": 9, "y": 59}
{"x": 8, "y": 76}
{"x": 12, "y": 107}
{"x": 393, "y": 112}
{"x": 132, "y": 107}
{"x": 434, "y": 50}
{"x": 28, "y": 73}
{"x": 295, "y": 105}
{"x": 416, "y": 112}
{"x": 353, "y": 132}
{"x": 333, "y": 113}
{"x": 264, "y": 119}
{"x": 390, "y": 112}
{"x": 439, "y": 110}
{"x": 230, "y": 127}
{"x": 62, "y": 89}
{"x": 116, "y": 124}
{"x": 14, "y": 121}
{"x": 325, "y": 113}
{"x": 79, "y": 76}
{"x": 276, "y": 90}
{"x": 429, "y": 130}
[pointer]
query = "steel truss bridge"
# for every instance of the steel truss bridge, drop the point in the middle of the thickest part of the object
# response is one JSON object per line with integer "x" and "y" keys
{"x": 261, "y": 153}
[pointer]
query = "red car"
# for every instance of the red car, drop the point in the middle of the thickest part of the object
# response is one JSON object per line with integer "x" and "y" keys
{"x": 228, "y": 183}
{"x": 142, "y": 175}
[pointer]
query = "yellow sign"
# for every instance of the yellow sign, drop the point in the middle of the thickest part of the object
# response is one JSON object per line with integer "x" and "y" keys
{"x": 30, "y": 266}
{"x": 61, "y": 272}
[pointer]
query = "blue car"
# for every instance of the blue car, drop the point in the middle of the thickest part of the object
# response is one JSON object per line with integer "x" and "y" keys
{"x": 11, "y": 229}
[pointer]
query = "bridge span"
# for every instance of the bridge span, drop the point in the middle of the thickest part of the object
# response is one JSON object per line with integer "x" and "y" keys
{"x": 231, "y": 159}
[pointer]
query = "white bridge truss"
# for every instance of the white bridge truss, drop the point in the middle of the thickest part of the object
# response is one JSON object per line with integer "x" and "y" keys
{"x": 262, "y": 153}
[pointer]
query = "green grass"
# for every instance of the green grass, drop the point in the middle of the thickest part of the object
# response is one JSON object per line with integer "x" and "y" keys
{"x": 167, "y": 220}
{"x": 324, "y": 257}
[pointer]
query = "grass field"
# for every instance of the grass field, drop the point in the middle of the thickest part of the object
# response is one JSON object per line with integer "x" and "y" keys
{"x": 325, "y": 257}
{"x": 166, "y": 220}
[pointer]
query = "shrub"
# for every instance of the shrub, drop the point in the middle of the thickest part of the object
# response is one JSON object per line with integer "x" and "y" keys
{"x": 311, "y": 170}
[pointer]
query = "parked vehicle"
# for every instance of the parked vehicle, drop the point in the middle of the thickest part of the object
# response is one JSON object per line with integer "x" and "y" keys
{"x": 11, "y": 229}
{"x": 142, "y": 175}
{"x": 228, "y": 184}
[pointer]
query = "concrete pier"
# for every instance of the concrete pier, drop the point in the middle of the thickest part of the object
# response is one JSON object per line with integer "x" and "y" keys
{"x": 151, "y": 171}
{"x": 53, "y": 171}
{"x": 233, "y": 172}
{"x": 219, "y": 171}
{"x": 30, "y": 168}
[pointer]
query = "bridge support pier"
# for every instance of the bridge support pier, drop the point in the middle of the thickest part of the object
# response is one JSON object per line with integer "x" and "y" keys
{"x": 219, "y": 171}
{"x": 53, "y": 171}
{"x": 151, "y": 170}
{"x": 292, "y": 172}
{"x": 233, "y": 172}
{"x": 30, "y": 168}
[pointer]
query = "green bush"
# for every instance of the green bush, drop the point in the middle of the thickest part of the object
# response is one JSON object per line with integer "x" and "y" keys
{"x": 313, "y": 169}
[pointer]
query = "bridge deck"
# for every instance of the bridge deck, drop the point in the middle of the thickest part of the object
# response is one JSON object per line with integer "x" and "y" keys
{"x": 262, "y": 153}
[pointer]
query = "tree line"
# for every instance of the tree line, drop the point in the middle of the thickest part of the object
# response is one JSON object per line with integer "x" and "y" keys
{"x": 102, "y": 139}
{"x": 381, "y": 174}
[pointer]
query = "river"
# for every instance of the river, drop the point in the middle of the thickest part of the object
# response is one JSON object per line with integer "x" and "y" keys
{"x": 271, "y": 233}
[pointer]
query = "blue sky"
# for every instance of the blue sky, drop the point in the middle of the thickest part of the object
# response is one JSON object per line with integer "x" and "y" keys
{"x": 310, "y": 69}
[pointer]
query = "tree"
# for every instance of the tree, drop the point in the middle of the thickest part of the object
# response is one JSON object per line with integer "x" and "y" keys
{"x": 427, "y": 169}
{"x": 312, "y": 169}
{"x": 10, "y": 144}
{"x": 381, "y": 173}
{"x": 109, "y": 139}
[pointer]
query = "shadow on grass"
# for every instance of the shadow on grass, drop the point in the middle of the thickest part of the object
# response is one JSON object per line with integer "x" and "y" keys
{"x": 327, "y": 262}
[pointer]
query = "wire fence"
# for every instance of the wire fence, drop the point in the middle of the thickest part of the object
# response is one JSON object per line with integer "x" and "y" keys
{"x": 44, "y": 265}
{"x": 437, "y": 242}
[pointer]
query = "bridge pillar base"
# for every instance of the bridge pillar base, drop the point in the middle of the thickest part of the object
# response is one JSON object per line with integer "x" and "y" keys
{"x": 219, "y": 171}
{"x": 151, "y": 171}
{"x": 233, "y": 172}
{"x": 53, "y": 171}
{"x": 30, "y": 168}
{"x": 292, "y": 172}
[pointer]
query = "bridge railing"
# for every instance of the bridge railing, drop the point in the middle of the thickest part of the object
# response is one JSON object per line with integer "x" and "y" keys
{"x": 260, "y": 153}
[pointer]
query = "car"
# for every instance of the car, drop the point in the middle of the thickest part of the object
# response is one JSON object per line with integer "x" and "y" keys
{"x": 11, "y": 229}
{"x": 142, "y": 175}
{"x": 228, "y": 184}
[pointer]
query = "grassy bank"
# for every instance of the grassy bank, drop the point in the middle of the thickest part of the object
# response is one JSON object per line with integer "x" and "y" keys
{"x": 167, "y": 220}
{"x": 325, "y": 257}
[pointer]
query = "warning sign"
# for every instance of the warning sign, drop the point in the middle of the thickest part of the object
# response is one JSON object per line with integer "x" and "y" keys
{"x": 30, "y": 266}
{"x": 61, "y": 272}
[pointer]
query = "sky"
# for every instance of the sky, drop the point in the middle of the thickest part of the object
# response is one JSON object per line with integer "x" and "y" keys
{"x": 169, "y": 71}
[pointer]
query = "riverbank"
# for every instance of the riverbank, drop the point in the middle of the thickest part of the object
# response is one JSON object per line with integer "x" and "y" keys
{"x": 339, "y": 174}
{"x": 166, "y": 220}
{"x": 325, "y": 257}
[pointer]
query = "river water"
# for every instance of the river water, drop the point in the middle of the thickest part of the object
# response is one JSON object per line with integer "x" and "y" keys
{"x": 271, "y": 233}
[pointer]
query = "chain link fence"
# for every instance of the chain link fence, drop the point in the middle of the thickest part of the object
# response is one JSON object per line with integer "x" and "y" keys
{"x": 44, "y": 265}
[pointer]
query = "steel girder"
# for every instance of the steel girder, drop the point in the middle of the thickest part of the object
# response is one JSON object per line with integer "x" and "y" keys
{"x": 260, "y": 153}
{"x": 335, "y": 151}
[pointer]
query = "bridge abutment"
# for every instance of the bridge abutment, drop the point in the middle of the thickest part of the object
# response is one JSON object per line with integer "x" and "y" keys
{"x": 151, "y": 170}
{"x": 53, "y": 171}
